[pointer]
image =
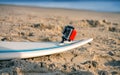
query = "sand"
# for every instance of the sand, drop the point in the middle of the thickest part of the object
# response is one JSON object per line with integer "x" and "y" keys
{"x": 100, "y": 57}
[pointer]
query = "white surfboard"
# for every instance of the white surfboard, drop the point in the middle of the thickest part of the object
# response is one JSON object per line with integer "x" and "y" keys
{"x": 12, "y": 50}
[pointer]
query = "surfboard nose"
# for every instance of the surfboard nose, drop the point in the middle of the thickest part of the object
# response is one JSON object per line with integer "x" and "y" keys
{"x": 90, "y": 39}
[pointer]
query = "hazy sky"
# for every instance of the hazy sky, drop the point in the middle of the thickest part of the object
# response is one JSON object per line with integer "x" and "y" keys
{"x": 51, "y": 0}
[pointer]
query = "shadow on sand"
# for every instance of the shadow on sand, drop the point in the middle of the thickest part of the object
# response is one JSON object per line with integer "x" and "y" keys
{"x": 113, "y": 63}
{"x": 26, "y": 67}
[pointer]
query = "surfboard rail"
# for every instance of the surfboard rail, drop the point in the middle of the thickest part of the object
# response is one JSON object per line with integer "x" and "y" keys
{"x": 12, "y": 50}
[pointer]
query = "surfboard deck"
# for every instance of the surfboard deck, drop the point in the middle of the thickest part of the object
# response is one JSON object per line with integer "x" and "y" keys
{"x": 12, "y": 50}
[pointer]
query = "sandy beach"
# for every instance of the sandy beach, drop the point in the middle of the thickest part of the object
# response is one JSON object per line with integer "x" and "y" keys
{"x": 35, "y": 24}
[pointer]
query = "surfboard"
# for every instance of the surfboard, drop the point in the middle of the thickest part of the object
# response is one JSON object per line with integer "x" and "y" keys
{"x": 13, "y": 50}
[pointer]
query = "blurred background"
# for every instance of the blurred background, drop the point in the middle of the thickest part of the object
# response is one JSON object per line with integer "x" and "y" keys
{"x": 95, "y": 5}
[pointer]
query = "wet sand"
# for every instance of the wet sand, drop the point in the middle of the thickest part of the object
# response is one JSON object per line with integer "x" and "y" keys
{"x": 100, "y": 57}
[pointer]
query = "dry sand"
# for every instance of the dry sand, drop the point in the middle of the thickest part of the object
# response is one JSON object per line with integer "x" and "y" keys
{"x": 100, "y": 57}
